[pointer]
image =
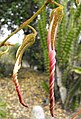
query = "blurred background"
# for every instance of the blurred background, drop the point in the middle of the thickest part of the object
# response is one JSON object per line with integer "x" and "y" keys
{"x": 35, "y": 62}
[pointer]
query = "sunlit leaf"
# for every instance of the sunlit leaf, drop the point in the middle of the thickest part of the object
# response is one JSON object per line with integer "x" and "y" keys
{"x": 77, "y": 70}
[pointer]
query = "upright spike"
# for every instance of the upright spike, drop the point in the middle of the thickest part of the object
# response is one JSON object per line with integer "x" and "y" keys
{"x": 56, "y": 16}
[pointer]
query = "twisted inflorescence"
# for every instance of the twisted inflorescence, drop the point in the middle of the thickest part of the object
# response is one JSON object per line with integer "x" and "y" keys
{"x": 18, "y": 90}
{"x": 27, "y": 41}
{"x": 52, "y": 69}
{"x": 56, "y": 16}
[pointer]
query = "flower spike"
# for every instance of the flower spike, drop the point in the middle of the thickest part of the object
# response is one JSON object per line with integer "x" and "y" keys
{"x": 56, "y": 16}
{"x": 27, "y": 41}
{"x": 51, "y": 53}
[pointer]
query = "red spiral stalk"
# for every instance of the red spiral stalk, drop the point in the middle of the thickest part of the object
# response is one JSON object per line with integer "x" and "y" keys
{"x": 52, "y": 78}
{"x": 15, "y": 71}
{"x": 27, "y": 41}
{"x": 56, "y": 16}
{"x": 18, "y": 90}
{"x": 51, "y": 53}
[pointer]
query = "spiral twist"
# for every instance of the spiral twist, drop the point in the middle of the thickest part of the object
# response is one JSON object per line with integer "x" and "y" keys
{"x": 27, "y": 41}
{"x": 51, "y": 53}
{"x": 52, "y": 69}
{"x": 18, "y": 90}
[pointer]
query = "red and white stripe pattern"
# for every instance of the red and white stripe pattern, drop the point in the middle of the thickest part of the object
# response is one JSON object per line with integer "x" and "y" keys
{"x": 18, "y": 90}
{"x": 52, "y": 53}
{"x": 27, "y": 41}
{"x": 15, "y": 79}
{"x": 52, "y": 69}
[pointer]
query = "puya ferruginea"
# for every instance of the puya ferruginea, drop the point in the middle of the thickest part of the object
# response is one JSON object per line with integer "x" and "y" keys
{"x": 55, "y": 19}
{"x": 27, "y": 41}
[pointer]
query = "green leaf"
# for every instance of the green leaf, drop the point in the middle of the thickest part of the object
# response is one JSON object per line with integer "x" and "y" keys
{"x": 2, "y": 113}
{"x": 77, "y": 70}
